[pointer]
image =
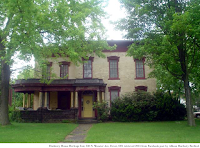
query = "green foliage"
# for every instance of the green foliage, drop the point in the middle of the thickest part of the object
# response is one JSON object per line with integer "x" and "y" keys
{"x": 17, "y": 100}
{"x": 14, "y": 115}
{"x": 167, "y": 34}
{"x": 28, "y": 72}
{"x": 142, "y": 106}
{"x": 136, "y": 106}
{"x": 169, "y": 107}
{"x": 102, "y": 110}
{"x": 42, "y": 28}
{"x": 62, "y": 28}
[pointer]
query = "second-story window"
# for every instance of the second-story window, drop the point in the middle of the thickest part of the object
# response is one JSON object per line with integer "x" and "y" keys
{"x": 87, "y": 68}
{"x": 64, "y": 69}
{"x": 139, "y": 67}
{"x": 46, "y": 71}
{"x": 113, "y": 68}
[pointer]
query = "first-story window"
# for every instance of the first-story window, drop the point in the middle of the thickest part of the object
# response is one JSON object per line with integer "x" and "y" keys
{"x": 114, "y": 92}
{"x": 139, "y": 68}
{"x": 64, "y": 69}
{"x": 141, "y": 88}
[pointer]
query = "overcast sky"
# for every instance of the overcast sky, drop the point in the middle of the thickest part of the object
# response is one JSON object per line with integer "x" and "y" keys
{"x": 114, "y": 12}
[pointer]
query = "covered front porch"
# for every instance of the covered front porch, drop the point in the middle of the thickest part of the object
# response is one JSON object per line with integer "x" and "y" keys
{"x": 73, "y": 97}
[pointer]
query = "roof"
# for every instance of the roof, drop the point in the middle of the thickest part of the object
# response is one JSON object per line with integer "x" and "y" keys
{"x": 32, "y": 85}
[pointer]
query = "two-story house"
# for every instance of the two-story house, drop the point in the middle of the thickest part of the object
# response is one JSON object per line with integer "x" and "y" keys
{"x": 97, "y": 79}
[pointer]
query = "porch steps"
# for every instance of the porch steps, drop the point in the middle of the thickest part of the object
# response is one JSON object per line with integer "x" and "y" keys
{"x": 87, "y": 120}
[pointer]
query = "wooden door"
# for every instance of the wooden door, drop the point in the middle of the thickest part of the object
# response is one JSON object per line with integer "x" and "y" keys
{"x": 87, "y": 106}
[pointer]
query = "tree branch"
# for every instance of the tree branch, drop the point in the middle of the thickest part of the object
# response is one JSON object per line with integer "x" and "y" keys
{"x": 177, "y": 76}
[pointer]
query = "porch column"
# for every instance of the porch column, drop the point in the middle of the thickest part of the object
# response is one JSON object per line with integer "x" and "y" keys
{"x": 40, "y": 99}
{"x": 103, "y": 96}
{"x": 76, "y": 99}
{"x": 29, "y": 101}
{"x": 72, "y": 99}
{"x": 98, "y": 96}
{"x": 24, "y": 98}
{"x": 45, "y": 99}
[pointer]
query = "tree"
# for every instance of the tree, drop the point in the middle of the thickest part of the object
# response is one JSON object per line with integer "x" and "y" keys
{"x": 166, "y": 33}
{"x": 42, "y": 28}
{"x": 27, "y": 73}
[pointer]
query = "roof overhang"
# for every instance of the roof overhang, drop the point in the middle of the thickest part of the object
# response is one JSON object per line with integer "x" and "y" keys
{"x": 31, "y": 85}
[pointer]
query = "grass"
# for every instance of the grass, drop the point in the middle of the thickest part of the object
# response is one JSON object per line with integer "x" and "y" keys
{"x": 144, "y": 132}
{"x": 35, "y": 132}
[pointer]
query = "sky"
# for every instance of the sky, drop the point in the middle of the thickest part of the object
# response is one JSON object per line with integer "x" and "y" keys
{"x": 115, "y": 12}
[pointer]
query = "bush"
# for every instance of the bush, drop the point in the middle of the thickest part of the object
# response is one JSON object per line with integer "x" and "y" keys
{"x": 169, "y": 107}
{"x": 136, "y": 106}
{"x": 142, "y": 106}
{"x": 14, "y": 115}
{"x": 102, "y": 110}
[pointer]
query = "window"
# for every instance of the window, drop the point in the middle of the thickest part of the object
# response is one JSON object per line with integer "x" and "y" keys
{"x": 87, "y": 68}
{"x": 139, "y": 66}
{"x": 46, "y": 71}
{"x": 113, "y": 68}
{"x": 64, "y": 69}
{"x": 114, "y": 92}
{"x": 141, "y": 88}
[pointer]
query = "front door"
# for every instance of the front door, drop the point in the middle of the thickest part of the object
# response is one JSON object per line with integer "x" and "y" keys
{"x": 87, "y": 106}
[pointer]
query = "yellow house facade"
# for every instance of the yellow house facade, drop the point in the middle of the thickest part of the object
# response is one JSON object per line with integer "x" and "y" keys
{"x": 97, "y": 79}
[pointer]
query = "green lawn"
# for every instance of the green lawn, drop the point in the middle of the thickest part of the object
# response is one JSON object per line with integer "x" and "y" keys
{"x": 144, "y": 132}
{"x": 35, "y": 132}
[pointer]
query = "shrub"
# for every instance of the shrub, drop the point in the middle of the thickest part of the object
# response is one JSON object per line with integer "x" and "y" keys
{"x": 102, "y": 110}
{"x": 136, "y": 106}
{"x": 14, "y": 115}
{"x": 143, "y": 106}
{"x": 169, "y": 107}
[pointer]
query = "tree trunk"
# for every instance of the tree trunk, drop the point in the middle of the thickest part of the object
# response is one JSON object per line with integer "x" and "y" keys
{"x": 5, "y": 77}
{"x": 185, "y": 78}
{"x": 189, "y": 105}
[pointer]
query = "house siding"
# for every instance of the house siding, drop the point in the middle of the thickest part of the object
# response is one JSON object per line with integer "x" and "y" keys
{"x": 100, "y": 67}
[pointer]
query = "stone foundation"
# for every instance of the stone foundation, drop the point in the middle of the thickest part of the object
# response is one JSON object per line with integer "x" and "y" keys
{"x": 44, "y": 115}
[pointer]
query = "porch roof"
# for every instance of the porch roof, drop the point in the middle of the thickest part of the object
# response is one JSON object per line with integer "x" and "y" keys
{"x": 31, "y": 85}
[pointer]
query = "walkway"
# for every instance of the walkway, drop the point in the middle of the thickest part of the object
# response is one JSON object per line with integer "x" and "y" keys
{"x": 79, "y": 134}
